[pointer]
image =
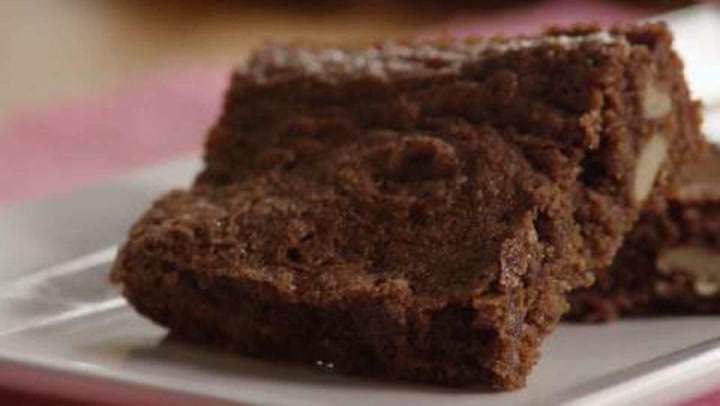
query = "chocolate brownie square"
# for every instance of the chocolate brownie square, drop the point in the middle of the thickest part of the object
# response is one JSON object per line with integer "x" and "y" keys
{"x": 414, "y": 210}
{"x": 670, "y": 263}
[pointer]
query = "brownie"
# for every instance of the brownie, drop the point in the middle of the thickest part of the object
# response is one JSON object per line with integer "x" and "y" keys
{"x": 670, "y": 263}
{"x": 414, "y": 210}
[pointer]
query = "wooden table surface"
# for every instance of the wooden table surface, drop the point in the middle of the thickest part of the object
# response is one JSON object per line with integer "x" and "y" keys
{"x": 58, "y": 49}
{"x": 52, "y": 50}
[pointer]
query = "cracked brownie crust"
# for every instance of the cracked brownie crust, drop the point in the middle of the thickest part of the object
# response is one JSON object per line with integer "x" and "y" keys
{"x": 414, "y": 210}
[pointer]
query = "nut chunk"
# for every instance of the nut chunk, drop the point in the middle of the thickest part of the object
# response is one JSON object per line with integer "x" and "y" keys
{"x": 414, "y": 210}
{"x": 670, "y": 263}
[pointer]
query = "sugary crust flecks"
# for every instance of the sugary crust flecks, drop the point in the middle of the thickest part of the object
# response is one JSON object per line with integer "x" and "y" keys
{"x": 390, "y": 58}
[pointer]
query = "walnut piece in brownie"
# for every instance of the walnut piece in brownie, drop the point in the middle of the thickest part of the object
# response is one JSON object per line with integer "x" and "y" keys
{"x": 670, "y": 263}
{"x": 414, "y": 210}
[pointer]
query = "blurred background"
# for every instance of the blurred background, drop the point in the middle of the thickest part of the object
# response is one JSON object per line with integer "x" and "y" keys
{"x": 51, "y": 49}
{"x": 91, "y": 89}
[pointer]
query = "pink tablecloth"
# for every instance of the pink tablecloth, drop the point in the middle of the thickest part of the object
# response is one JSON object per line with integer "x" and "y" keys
{"x": 163, "y": 115}
{"x": 78, "y": 142}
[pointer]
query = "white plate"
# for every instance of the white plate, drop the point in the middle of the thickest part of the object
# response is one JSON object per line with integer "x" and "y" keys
{"x": 68, "y": 319}
{"x": 63, "y": 329}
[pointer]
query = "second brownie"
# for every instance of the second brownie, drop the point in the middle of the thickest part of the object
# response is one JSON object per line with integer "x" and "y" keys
{"x": 670, "y": 263}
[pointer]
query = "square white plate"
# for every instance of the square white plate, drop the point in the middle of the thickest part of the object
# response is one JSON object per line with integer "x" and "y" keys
{"x": 63, "y": 329}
